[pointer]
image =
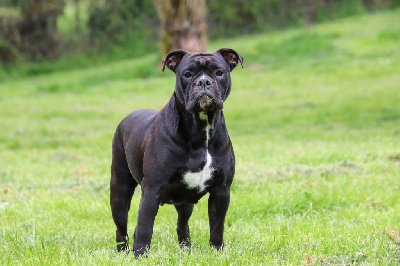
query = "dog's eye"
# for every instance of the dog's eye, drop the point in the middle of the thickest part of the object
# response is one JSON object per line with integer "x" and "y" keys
{"x": 187, "y": 75}
{"x": 219, "y": 73}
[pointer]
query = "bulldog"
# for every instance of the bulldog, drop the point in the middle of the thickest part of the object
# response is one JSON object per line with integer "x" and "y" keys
{"x": 177, "y": 154}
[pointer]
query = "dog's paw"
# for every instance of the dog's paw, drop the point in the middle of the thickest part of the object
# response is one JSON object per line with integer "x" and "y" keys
{"x": 123, "y": 247}
{"x": 122, "y": 242}
{"x": 141, "y": 252}
{"x": 217, "y": 247}
{"x": 185, "y": 244}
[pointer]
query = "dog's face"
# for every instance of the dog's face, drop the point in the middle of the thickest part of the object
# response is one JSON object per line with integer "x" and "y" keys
{"x": 202, "y": 79}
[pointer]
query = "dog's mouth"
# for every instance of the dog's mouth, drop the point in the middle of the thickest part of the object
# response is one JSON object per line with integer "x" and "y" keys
{"x": 204, "y": 103}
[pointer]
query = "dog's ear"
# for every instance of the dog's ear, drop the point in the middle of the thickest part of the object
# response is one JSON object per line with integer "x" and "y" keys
{"x": 231, "y": 57}
{"x": 173, "y": 59}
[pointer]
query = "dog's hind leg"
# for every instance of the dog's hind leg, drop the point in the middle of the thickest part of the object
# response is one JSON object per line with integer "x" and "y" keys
{"x": 122, "y": 187}
{"x": 184, "y": 212}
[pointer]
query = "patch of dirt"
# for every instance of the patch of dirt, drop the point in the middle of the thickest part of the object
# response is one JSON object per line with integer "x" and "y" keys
{"x": 393, "y": 235}
{"x": 312, "y": 260}
{"x": 338, "y": 168}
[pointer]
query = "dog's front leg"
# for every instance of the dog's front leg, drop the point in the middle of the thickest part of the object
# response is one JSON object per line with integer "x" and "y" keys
{"x": 148, "y": 209}
{"x": 218, "y": 204}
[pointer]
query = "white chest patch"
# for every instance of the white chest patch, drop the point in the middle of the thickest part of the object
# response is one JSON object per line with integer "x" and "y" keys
{"x": 198, "y": 179}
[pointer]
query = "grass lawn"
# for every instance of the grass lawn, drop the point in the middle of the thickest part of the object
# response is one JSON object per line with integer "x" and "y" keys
{"x": 314, "y": 118}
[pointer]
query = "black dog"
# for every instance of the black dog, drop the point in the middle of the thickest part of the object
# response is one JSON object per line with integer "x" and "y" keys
{"x": 177, "y": 154}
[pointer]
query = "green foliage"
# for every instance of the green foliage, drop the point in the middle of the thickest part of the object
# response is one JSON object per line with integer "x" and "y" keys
{"x": 340, "y": 10}
{"x": 313, "y": 117}
{"x": 231, "y": 18}
{"x": 99, "y": 19}
{"x": 3, "y": 43}
{"x": 395, "y": 3}
{"x": 115, "y": 18}
{"x": 114, "y": 30}
{"x": 15, "y": 3}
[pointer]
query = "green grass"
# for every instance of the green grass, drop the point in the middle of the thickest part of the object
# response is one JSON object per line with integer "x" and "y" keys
{"x": 314, "y": 119}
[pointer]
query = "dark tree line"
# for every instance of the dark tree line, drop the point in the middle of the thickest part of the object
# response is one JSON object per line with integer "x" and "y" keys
{"x": 31, "y": 31}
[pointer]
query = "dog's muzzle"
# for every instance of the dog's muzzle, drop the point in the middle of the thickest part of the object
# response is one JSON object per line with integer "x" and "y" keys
{"x": 204, "y": 96}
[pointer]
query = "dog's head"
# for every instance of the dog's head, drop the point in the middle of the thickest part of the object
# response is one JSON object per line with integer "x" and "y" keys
{"x": 203, "y": 80}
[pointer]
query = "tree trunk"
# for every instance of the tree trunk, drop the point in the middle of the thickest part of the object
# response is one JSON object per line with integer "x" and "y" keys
{"x": 183, "y": 25}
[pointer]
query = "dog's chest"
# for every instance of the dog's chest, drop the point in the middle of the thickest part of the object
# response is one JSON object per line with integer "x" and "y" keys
{"x": 198, "y": 180}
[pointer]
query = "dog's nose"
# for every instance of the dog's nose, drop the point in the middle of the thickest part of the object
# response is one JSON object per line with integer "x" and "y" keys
{"x": 204, "y": 83}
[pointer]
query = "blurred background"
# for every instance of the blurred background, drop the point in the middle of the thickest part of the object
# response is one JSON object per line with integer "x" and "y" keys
{"x": 84, "y": 32}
